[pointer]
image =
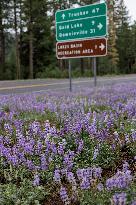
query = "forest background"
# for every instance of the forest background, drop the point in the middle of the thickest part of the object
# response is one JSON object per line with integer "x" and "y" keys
{"x": 28, "y": 41}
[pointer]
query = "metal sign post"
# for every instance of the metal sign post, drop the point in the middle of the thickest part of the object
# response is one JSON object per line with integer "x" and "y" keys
{"x": 70, "y": 77}
{"x": 95, "y": 66}
{"x": 69, "y": 67}
{"x": 80, "y": 33}
{"x": 95, "y": 71}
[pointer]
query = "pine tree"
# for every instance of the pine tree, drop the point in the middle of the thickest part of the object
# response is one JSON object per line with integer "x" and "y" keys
{"x": 133, "y": 46}
{"x": 16, "y": 9}
{"x": 2, "y": 39}
{"x": 38, "y": 39}
{"x": 112, "y": 35}
{"x": 124, "y": 41}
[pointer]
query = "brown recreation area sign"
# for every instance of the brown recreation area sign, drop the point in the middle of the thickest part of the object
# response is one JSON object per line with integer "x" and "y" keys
{"x": 82, "y": 48}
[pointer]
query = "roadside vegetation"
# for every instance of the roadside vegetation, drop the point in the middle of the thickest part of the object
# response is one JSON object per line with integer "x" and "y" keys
{"x": 62, "y": 148}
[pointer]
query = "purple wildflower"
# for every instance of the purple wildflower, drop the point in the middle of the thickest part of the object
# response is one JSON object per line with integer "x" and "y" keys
{"x": 127, "y": 140}
{"x": 44, "y": 165}
{"x": 79, "y": 173}
{"x": 96, "y": 152}
{"x": 57, "y": 177}
{"x": 85, "y": 184}
{"x": 100, "y": 187}
{"x": 64, "y": 195}
{"x": 80, "y": 146}
{"x": 61, "y": 149}
{"x": 120, "y": 180}
{"x": 125, "y": 166}
{"x": 133, "y": 203}
{"x": 36, "y": 181}
{"x": 119, "y": 199}
{"x": 97, "y": 171}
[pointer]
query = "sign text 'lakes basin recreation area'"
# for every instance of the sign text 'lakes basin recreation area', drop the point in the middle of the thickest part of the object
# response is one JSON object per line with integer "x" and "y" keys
{"x": 81, "y": 23}
{"x": 82, "y": 48}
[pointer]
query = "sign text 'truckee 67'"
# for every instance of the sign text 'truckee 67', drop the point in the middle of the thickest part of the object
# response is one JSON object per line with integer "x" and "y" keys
{"x": 81, "y": 23}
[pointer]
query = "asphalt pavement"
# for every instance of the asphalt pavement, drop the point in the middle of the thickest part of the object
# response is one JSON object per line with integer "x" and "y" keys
{"x": 39, "y": 85}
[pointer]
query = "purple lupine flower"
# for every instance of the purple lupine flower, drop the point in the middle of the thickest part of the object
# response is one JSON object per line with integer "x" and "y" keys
{"x": 97, "y": 171}
{"x": 1, "y": 114}
{"x": 85, "y": 184}
{"x": 48, "y": 146}
{"x": 38, "y": 148}
{"x": 113, "y": 146}
{"x": 54, "y": 148}
{"x": 14, "y": 160}
{"x": 44, "y": 165}
{"x": 100, "y": 187}
{"x": 28, "y": 148}
{"x": 116, "y": 136}
{"x": 133, "y": 203}
{"x": 71, "y": 178}
{"x": 57, "y": 177}
{"x": 80, "y": 146}
{"x": 46, "y": 127}
{"x": 36, "y": 181}
{"x": 87, "y": 173}
{"x": 79, "y": 173}
{"x": 8, "y": 128}
{"x": 21, "y": 157}
{"x": 133, "y": 135}
{"x": 68, "y": 159}
{"x": 120, "y": 180}
{"x": 95, "y": 154}
{"x": 21, "y": 140}
{"x": 7, "y": 140}
{"x": 127, "y": 140}
{"x": 64, "y": 195}
{"x": 61, "y": 149}
{"x": 64, "y": 171}
{"x": 29, "y": 164}
{"x": 35, "y": 127}
{"x": 50, "y": 159}
{"x": 85, "y": 176}
{"x": 119, "y": 199}
{"x": 125, "y": 166}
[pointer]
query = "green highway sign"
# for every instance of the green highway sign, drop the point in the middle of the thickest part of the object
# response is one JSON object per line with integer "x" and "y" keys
{"x": 81, "y": 13}
{"x": 82, "y": 28}
{"x": 81, "y": 23}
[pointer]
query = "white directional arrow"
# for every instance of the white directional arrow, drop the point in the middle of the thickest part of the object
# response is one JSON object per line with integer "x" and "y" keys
{"x": 63, "y": 16}
{"x": 102, "y": 46}
{"x": 100, "y": 26}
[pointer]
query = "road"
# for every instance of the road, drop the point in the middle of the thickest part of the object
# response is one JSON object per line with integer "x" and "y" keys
{"x": 39, "y": 85}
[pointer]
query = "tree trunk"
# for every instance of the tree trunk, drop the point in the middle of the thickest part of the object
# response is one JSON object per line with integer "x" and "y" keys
{"x": 16, "y": 41}
{"x": 90, "y": 65}
{"x": 20, "y": 37}
{"x": 82, "y": 66}
{"x": 2, "y": 44}
{"x": 30, "y": 42}
{"x": 31, "y": 54}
